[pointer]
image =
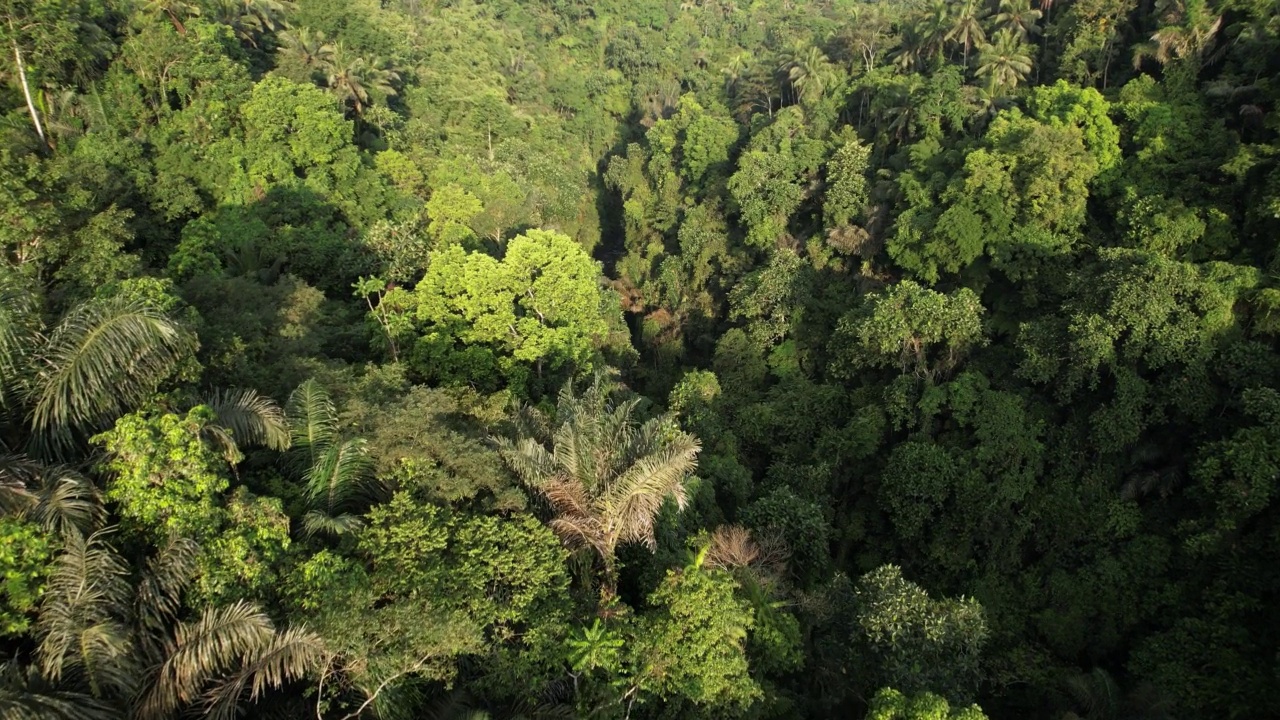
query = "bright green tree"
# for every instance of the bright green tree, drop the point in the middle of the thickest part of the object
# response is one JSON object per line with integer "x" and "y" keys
{"x": 693, "y": 644}
{"x": 541, "y": 304}
{"x": 889, "y": 704}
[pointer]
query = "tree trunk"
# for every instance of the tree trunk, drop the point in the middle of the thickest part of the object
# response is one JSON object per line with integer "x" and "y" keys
{"x": 26, "y": 89}
{"x": 608, "y": 584}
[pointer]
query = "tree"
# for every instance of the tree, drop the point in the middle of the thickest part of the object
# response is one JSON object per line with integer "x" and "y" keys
{"x": 352, "y": 79}
{"x": 168, "y": 475}
{"x": 914, "y": 642}
{"x": 913, "y": 328}
{"x": 1005, "y": 61}
{"x": 451, "y": 209}
{"x": 424, "y": 588}
{"x": 966, "y": 27}
{"x": 540, "y": 304}
{"x": 604, "y": 474}
{"x": 771, "y": 180}
{"x": 1018, "y": 17}
{"x": 694, "y": 645}
{"x": 25, "y": 554}
{"x": 848, "y": 194}
{"x": 166, "y": 478}
{"x": 889, "y": 704}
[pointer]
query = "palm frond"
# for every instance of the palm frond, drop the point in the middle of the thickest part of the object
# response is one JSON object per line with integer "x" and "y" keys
{"x": 67, "y": 502}
{"x": 252, "y": 418}
{"x": 18, "y": 476}
{"x": 528, "y": 459}
{"x": 317, "y": 522}
{"x": 338, "y": 476}
{"x": 104, "y": 358}
{"x": 221, "y": 439}
{"x": 19, "y": 330}
{"x": 291, "y": 655}
{"x": 78, "y": 626}
{"x": 732, "y": 547}
{"x": 218, "y": 642}
{"x": 313, "y": 419}
{"x": 26, "y": 695}
{"x": 639, "y": 493}
{"x": 159, "y": 595}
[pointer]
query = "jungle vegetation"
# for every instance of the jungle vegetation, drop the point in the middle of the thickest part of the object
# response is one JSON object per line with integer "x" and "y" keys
{"x": 897, "y": 359}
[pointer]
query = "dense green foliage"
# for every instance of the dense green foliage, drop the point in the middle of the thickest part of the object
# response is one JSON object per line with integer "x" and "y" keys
{"x": 653, "y": 359}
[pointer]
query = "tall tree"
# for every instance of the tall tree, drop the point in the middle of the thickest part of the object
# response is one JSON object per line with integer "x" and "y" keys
{"x": 1018, "y": 16}
{"x": 352, "y": 79}
{"x": 966, "y": 27}
{"x": 1005, "y": 62}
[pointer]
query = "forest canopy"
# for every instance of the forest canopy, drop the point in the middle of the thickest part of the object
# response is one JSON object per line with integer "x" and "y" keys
{"x": 885, "y": 359}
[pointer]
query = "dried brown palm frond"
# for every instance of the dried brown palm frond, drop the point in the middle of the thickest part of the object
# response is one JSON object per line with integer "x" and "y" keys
{"x": 732, "y": 547}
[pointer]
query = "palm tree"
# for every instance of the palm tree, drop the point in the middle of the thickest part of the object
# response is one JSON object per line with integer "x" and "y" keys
{"x": 1187, "y": 30}
{"x": 1005, "y": 61}
{"x": 604, "y": 474}
{"x": 113, "y": 644}
{"x": 966, "y": 27}
{"x": 985, "y": 104}
{"x": 100, "y": 360}
{"x": 250, "y": 19}
{"x": 735, "y": 70}
{"x": 934, "y": 26}
{"x": 911, "y": 49}
{"x": 808, "y": 71}
{"x": 1020, "y": 17}
{"x": 352, "y": 79}
{"x": 308, "y": 48}
{"x": 336, "y": 471}
{"x": 175, "y": 10}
